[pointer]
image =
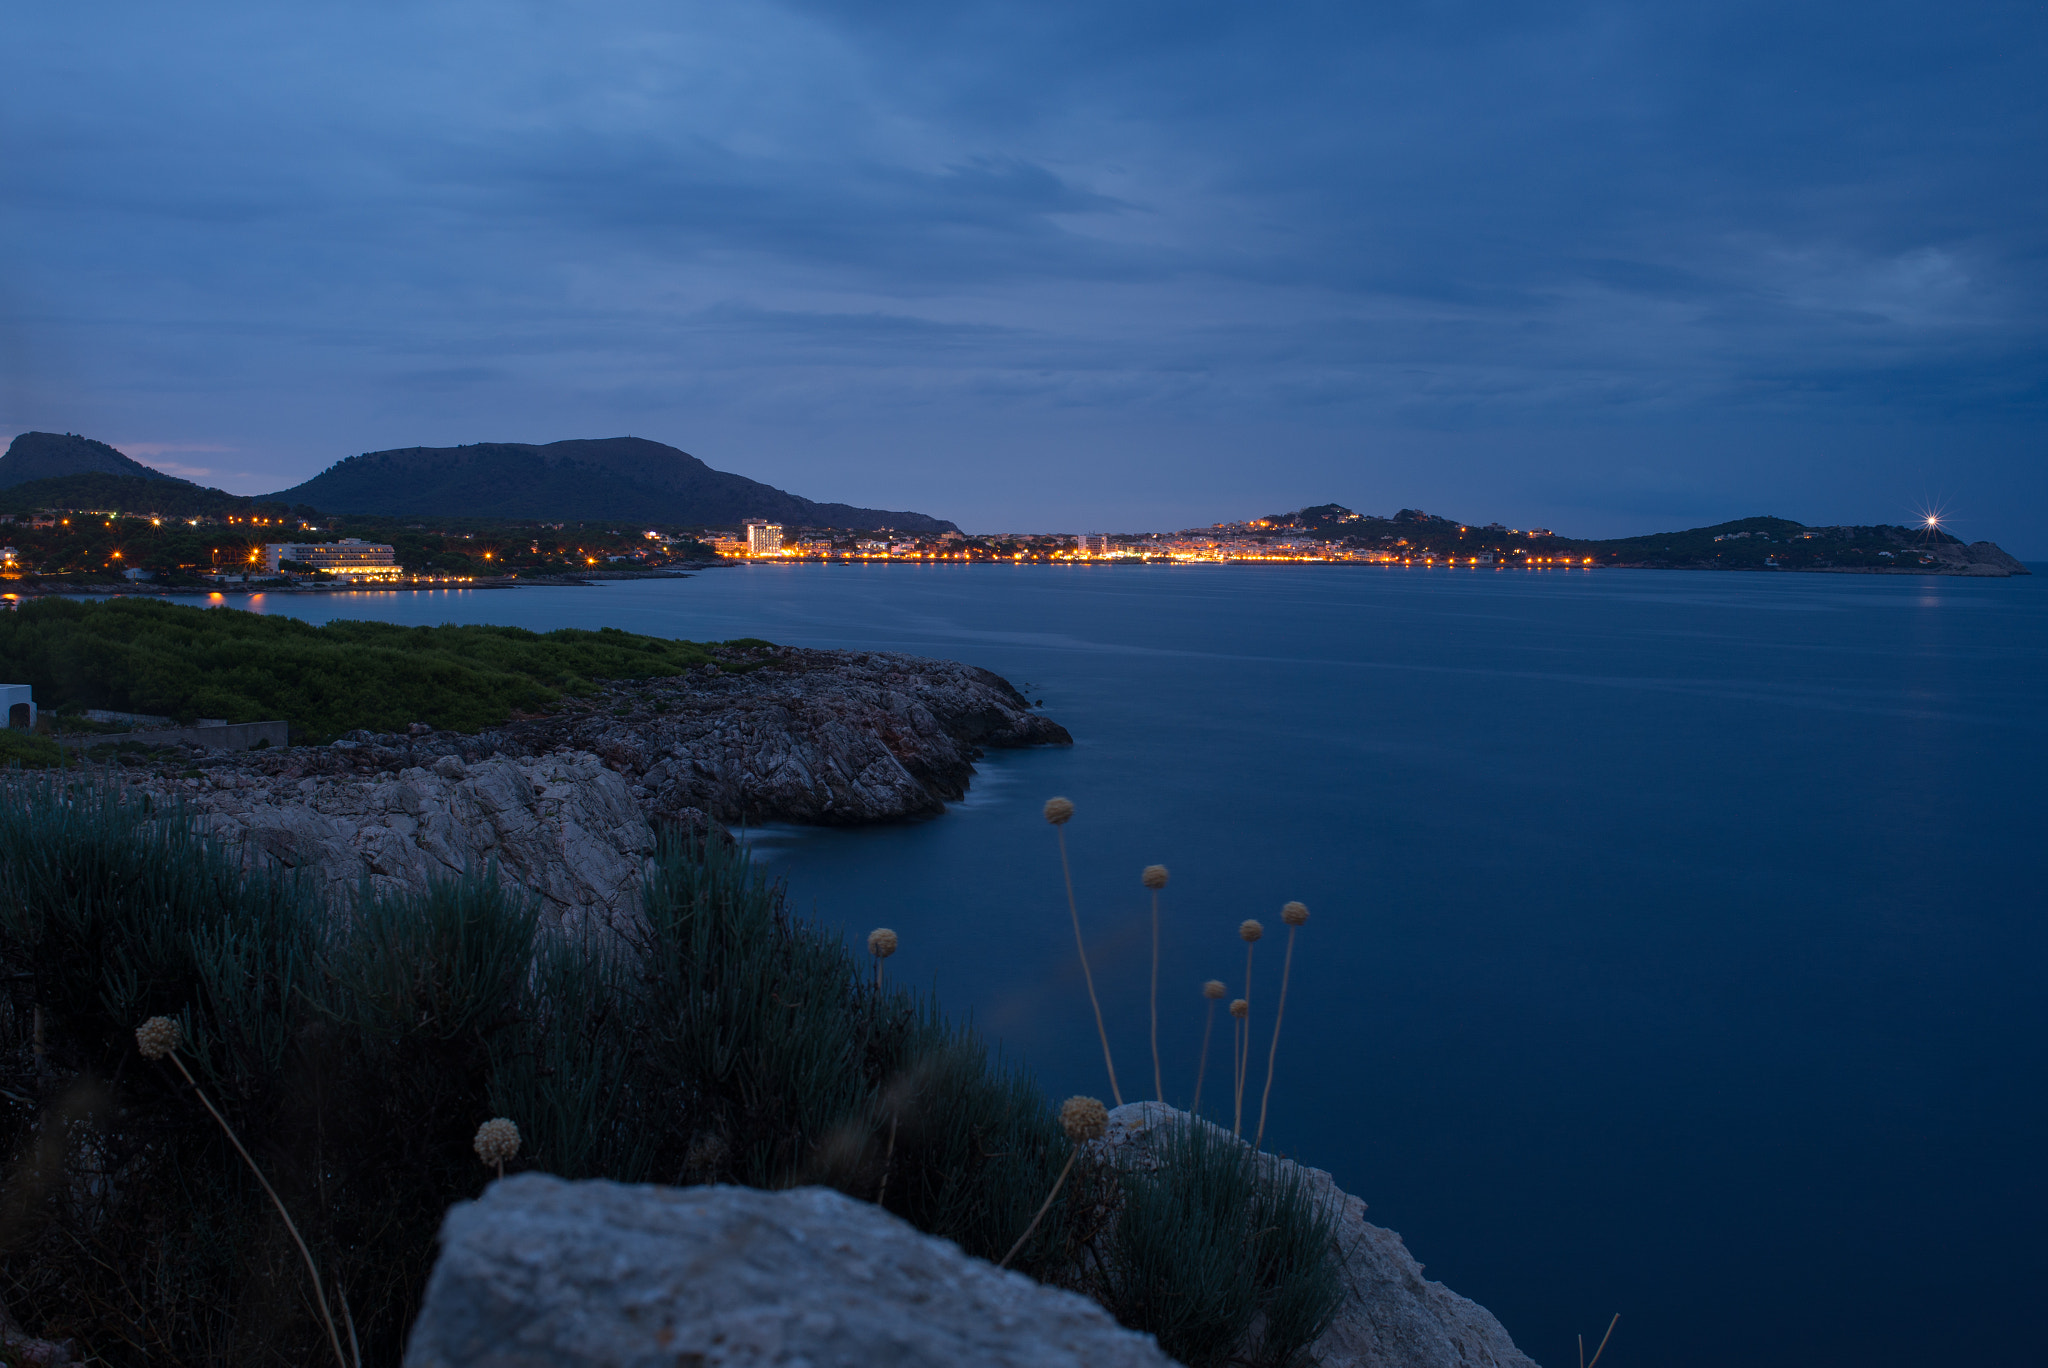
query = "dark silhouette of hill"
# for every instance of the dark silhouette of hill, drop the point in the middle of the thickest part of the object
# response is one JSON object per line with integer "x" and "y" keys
{"x": 45, "y": 455}
{"x": 165, "y": 497}
{"x": 626, "y": 478}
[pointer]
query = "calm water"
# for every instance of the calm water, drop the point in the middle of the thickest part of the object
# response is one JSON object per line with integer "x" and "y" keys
{"x": 1678, "y": 939}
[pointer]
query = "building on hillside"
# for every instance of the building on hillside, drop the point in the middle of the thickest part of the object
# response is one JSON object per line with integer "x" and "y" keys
{"x": 350, "y": 558}
{"x": 764, "y": 538}
{"x": 1092, "y": 544}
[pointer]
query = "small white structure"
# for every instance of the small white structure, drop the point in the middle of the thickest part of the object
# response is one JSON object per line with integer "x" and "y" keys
{"x": 20, "y": 702}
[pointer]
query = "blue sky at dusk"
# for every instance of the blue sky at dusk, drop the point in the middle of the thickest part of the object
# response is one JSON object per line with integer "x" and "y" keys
{"x": 1608, "y": 268}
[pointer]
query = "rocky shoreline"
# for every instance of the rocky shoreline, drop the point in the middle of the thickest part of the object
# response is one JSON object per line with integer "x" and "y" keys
{"x": 569, "y": 805}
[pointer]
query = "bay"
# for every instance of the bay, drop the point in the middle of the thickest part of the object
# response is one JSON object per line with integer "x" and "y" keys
{"x": 1677, "y": 940}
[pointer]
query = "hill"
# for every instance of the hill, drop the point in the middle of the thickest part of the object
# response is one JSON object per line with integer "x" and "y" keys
{"x": 162, "y": 496}
{"x": 609, "y": 478}
{"x": 46, "y": 455}
{"x": 1760, "y": 543}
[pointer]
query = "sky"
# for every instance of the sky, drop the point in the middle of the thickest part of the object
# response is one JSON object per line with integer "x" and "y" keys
{"x": 1609, "y": 268}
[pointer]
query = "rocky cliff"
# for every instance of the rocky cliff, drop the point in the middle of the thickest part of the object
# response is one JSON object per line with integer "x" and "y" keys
{"x": 837, "y": 738}
{"x": 561, "y": 826}
{"x": 569, "y": 805}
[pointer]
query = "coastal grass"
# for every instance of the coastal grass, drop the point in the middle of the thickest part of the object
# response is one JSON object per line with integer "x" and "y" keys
{"x": 355, "y": 1055}
{"x": 146, "y": 656}
{"x": 29, "y": 751}
{"x": 1221, "y": 1254}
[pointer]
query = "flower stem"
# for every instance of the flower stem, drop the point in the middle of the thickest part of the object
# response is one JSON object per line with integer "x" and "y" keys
{"x": 1158, "y": 1079}
{"x": 1244, "y": 1061}
{"x": 1043, "y": 1207}
{"x": 1086, "y": 974}
{"x": 313, "y": 1269}
{"x": 1207, "y": 1026}
{"x": 1286, "y": 968}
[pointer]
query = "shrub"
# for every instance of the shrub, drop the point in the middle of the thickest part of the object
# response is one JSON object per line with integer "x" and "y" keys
{"x": 1218, "y": 1252}
{"x": 136, "y": 655}
{"x": 28, "y": 750}
{"x": 356, "y": 1055}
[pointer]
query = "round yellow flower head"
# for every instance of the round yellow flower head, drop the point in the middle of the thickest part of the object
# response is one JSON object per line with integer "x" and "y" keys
{"x": 1214, "y": 989}
{"x": 1294, "y": 914}
{"x": 1250, "y": 929}
{"x": 1058, "y": 811}
{"x": 1154, "y": 877}
{"x": 1083, "y": 1118}
{"x": 1240, "y": 1009}
{"x": 157, "y": 1037}
{"x": 881, "y": 942}
{"x": 496, "y": 1140}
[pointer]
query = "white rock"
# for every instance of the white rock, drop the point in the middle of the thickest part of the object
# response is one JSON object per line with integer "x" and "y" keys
{"x": 563, "y": 826}
{"x": 542, "y": 1273}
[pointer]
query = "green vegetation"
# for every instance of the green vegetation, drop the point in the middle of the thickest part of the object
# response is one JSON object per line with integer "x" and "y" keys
{"x": 356, "y": 1056}
{"x": 1222, "y": 1262}
{"x": 104, "y": 525}
{"x": 140, "y": 495}
{"x": 29, "y": 750}
{"x": 144, "y": 656}
{"x": 493, "y": 546}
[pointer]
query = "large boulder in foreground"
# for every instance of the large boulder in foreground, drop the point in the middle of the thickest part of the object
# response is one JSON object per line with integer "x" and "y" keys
{"x": 543, "y": 1273}
{"x": 1393, "y": 1317}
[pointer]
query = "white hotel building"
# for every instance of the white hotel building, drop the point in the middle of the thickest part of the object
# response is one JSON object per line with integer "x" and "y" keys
{"x": 350, "y": 558}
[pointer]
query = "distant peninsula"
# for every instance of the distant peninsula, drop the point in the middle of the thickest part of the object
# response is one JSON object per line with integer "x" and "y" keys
{"x": 1326, "y": 532}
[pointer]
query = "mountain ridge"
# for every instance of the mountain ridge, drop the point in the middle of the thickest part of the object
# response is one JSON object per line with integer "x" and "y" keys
{"x": 585, "y": 478}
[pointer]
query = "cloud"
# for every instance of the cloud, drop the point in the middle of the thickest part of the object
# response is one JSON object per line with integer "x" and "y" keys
{"x": 1381, "y": 244}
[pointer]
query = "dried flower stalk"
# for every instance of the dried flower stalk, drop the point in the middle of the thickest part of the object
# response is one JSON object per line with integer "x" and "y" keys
{"x": 1214, "y": 991}
{"x": 157, "y": 1038}
{"x": 1154, "y": 878}
{"x": 1059, "y": 811}
{"x": 1083, "y": 1119}
{"x": 1296, "y": 916}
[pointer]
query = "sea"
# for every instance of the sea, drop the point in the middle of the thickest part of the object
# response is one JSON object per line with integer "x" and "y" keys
{"x": 1677, "y": 942}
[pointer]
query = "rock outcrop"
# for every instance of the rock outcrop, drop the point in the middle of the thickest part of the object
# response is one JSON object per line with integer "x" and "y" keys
{"x": 1981, "y": 558}
{"x": 542, "y": 1273}
{"x": 574, "y": 1275}
{"x": 1393, "y": 1317}
{"x": 564, "y": 826}
{"x": 835, "y": 738}
{"x": 570, "y": 805}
